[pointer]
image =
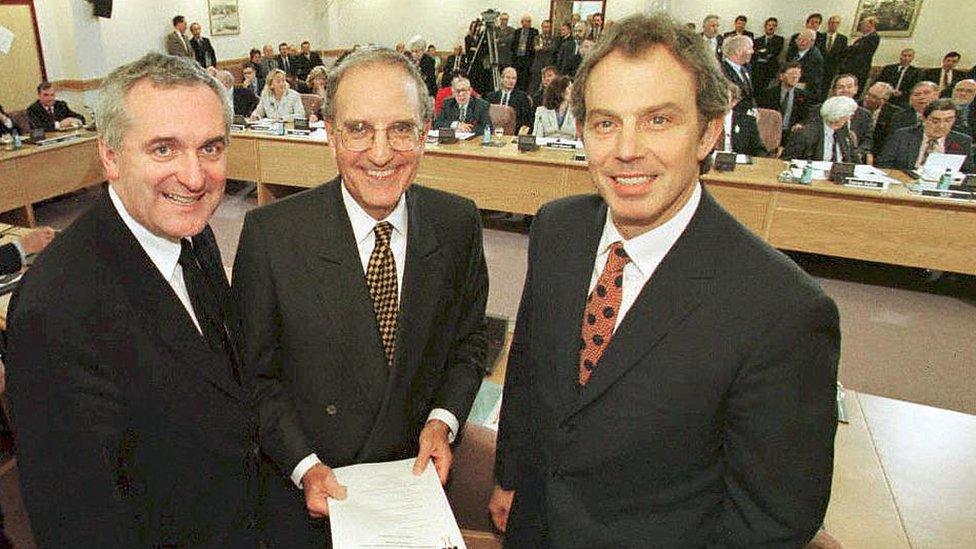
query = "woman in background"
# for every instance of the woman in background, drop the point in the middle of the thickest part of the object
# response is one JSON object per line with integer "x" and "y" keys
{"x": 554, "y": 118}
{"x": 278, "y": 101}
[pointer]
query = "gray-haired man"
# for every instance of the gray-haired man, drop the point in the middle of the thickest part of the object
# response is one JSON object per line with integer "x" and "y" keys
{"x": 134, "y": 430}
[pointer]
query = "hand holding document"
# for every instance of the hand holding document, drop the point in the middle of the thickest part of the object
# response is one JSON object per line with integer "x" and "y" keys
{"x": 388, "y": 506}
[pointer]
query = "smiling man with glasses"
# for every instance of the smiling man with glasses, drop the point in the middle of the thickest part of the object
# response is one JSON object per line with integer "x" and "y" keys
{"x": 363, "y": 303}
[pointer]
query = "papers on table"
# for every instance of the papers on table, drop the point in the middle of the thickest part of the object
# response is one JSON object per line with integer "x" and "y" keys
{"x": 937, "y": 163}
{"x": 821, "y": 169}
{"x": 387, "y": 506}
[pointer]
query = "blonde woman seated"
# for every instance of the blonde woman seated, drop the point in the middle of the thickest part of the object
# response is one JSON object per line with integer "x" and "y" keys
{"x": 278, "y": 101}
{"x": 315, "y": 84}
{"x": 554, "y": 118}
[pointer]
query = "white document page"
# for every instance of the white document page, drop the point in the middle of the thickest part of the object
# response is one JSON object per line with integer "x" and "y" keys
{"x": 937, "y": 163}
{"x": 387, "y": 506}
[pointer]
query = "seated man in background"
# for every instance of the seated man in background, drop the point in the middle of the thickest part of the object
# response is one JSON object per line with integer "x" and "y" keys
{"x": 306, "y": 60}
{"x": 740, "y": 130}
{"x": 243, "y": 98}
{"x": 908, "y": 148}
{"x": 252, "y": 81}
{"x": 922, "y": 94}
{"x": 963, "y": 95}
{"x": 463, "y": 112}
{"x": 510, "y": 96}
{"x": 829, "y": 140}
{"x": 787, "y": 98}
{"x": 877, "y": 101}
{"x": 254, "y": 62}
{"x": 845, "y": 85}
{"x": 50, "y": 113}
{"x": 945, "y": 76}
{"x": 13, "y": 255}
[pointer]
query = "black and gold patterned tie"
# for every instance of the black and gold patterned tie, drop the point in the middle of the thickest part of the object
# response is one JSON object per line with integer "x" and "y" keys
{"x": 381, "y": 275}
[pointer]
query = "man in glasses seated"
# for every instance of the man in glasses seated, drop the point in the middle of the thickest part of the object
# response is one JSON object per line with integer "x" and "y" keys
{"x": 363, "y": 303}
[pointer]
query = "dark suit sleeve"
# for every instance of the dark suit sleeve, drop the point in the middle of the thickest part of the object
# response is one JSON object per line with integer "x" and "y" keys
{"x": 9, "y": 259}
{"x": 466, "y": 365}
{"x": 756, "y": 147}
{"x": 889, "y": 155}
{"x": 443, "y": 120}
{"x": 281, "y": 433}
{"x": 39, "y": 118}
{"x": 69, "y": 411}
{"x": 797, "y": 146}
{"x": 779, "y": 432}
{"x": 482, "y": 117}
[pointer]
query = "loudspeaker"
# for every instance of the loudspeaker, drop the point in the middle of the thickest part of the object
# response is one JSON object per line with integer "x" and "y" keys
{"x": 103, "y": 8}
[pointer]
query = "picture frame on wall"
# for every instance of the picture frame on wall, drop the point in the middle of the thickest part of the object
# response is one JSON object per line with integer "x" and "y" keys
{"x": 224, "y": 17}
{"x": 896, "y": 18}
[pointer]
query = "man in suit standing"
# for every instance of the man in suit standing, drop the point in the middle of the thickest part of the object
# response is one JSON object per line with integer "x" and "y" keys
{"x": 877, "y": 101}
{"x": 829, "y": 138}
{"x": 463, "y": 112}
{"x": 814, "y": 20}
{"x": 570, "y": 52}
{"x": 510, "y": 96}
{"x": 13, "y": 255}
{"x": 503, "y": 40}
{"x": 711, "y": 36}
{"x": 176, "y": 42}
{"x": 908, "y": 148}
{"x": 858, "y": 56}
{"x": 834, "y": 46}
{"x": 523, "y": 51}
{"x": 134, "y": 429}
{"x": 50, "y": 113}
{"x": 946, "y": 75}
{"x": 739, "y": 27}
{"x": 285, "y": 60}
{"x": 902, "y": 76}
{"x": 203, "y": 51}
{"x": 656, "y": 394}
{"x": 736, "y": 53}
{"x": 812, "y": 63}
{"x": 372, "y": 345}
{"x": 787, "y": 98}
{"x": 765, "y": 59}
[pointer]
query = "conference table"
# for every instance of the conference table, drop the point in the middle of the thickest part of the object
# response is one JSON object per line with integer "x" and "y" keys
{"x": 892, "y": 226}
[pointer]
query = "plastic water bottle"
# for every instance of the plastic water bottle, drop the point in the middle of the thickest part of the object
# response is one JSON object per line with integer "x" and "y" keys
{"x": 807, "y": 176}
{"x": 945, "y": 180}
{"x": 486, "y": 136}
{"x": 16, "y": 139}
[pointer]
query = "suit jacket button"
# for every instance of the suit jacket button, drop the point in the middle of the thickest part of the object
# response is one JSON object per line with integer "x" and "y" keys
{"x": 330, "y": 409}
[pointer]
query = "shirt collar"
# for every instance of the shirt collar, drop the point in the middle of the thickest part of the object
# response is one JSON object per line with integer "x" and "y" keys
{"x": 363, "y": 223}
{"x": 647, "y": 250}
{"x": 164, "y": 253}
{"x": 736, "y": 66}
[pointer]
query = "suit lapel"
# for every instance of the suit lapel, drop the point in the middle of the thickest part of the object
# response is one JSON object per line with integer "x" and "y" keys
{"x": 673, "y": 293}
{"x": 153, "y": 300}
{"x": 336, "y": 272}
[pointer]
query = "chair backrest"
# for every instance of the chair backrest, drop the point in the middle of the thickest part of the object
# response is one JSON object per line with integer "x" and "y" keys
{"x": 21, "y": 120}
{"x": 770, "y": 124}
{"x": 311, "y": 102}
{"x": 237, "y": 71}
{"x": 502, "y": 116}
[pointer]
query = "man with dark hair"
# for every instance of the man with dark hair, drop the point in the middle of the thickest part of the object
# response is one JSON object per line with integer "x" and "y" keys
{"x": 203, "y": 51}
{"x": 739, "y": 27}
{"x": 285, "y": 60}
{"x": 596, "y": 27}
{"x": 176, "y": 42}
{"x": 372, "y": 345}
{"x": 858, "y": 56}
{"x": 765, "y": 59}
{"x": 834, "y": 46}
{"x": 306, "y": 60}
{"x": 134, "y": 427}
{"x": 909, "y": 148}
{"x": 814, "y": 20}
{"x": 945, "y": 76}
{"x": 902, "y": 76}
{"x": 791, "y": 101}
{"x": 548, "y": 74}
{"x": 570, "y": 51}
{"x": 656, "y": 395}
{"x": 51, "y": 113}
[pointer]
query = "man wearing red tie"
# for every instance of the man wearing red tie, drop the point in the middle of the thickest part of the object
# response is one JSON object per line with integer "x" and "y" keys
{"x": 51, "y": 114}
{"x": 671, "y": 381}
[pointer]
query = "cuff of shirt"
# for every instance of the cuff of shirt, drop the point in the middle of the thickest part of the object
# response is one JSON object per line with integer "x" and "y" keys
{"x": 449, "y": 419}
{"x": 303, "y": 466}
{"x": 20, "y": 250}
{"x": 57, "y": 125}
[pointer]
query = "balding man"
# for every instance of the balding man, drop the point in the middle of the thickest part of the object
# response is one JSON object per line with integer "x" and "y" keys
{"x": 736, "y": 54}
{"x": 902, "y": 76}
{"x": 922, "y": 94}
{"x": 811, "y": 62}
{"x": 877, "y": 101}
{"x": 510, "y": 96}
{"x": 963, "y": 95}
{"x": 244, "y": 99}
{"x": 523, "y": 51}
{"x": 203, "y": 51}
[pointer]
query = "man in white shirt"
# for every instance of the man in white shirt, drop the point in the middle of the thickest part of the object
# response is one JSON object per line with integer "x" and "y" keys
{"x": 909, "y": 147}
{"x": 371, "y": 346}
{"x": 133, "y": 427}
{"x": 649, "y": 367}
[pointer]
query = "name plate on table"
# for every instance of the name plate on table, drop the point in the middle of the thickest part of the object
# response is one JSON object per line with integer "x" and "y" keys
{"x": 841, "y": 171}
{"x": 866, "y": 184}
{"x": 446, "y": 136}
{"x": 527, "y": 143}
{"x": 951, "y": 195}
{"x": 561, "y": 145}
{"x": 54, "y": 140}
{"x": 237, "y": 127}
{"x": 298, "y": 133}
{"x": 725, "y": 161}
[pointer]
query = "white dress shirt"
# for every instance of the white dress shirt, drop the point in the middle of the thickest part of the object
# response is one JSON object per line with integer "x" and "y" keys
{"x": 164, "y": 254}
{"x": 645, "y": 251}
{"x": 362, "y": 230}
{"x": 828, "y": 145}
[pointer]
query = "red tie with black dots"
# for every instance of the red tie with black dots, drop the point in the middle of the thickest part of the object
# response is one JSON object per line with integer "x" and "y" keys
{"x": 602, "y": 307}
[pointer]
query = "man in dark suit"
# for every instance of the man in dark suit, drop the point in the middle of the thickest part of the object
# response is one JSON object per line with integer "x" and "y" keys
{"x": 523, "y": 51}
{"x": 736, "y": 54}
{"x": 243, "y": 98}
{"x": 902, "y": 76}
{"x": 549, "y": 73}
{"x": 177, "y": 42}
{"x": 739, "y": 27}
{"x": 285, "y": 60}
{"x": 765, "y": 59}
{"x": 827, "y": 139}
{"x": 306, "y": 61}
{"x": 814, "y": 20}
{"x": 812, "y": 63}
{"x": 908, "y": 148}
{"x": 463, "y": 111}
{"x": 50, "y": 113}
{"x": 834, "y": 46}
{"x": 861, "y": 133}
{"x": 859, "y": 54}
{"x": 456, "y": 65}
{"x": 13, "y": 255}
{"x": 877, "y": 102}
{"x": 513, "y": 97}
{"x": 372, "y": 345}
{"x": 648, "y": 368}
{"x": 740, "y": 132}
{"x": 571, "y": 52}
{"x": 923, "y": 93}
{"x": 203, "y": 51}
{"x": 133, "y": 427}
{"x": 251, "y": 82}
{"x": 787, "y": 98}
{"x": 963, "y": 95}
{"x": 946, "y": 75}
